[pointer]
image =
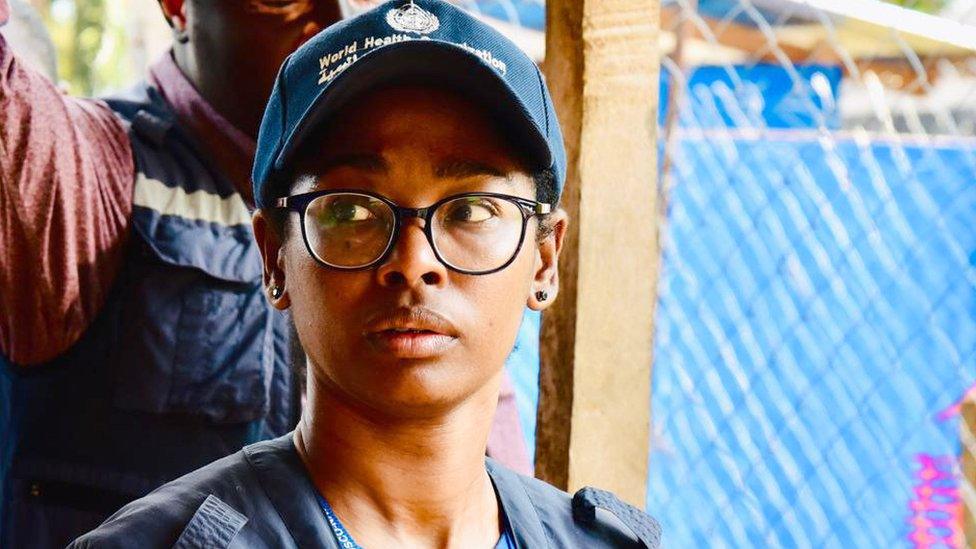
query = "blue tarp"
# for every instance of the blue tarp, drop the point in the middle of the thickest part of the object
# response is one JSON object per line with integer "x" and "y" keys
{"x": 759, "y": 95}
{"x": 529, "y": 14}
{"x": 816, "y": 323}
{"x": 816, "y": 326}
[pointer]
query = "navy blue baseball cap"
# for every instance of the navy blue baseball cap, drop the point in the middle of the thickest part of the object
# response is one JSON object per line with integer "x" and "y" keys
{"x": 420, "y": 40}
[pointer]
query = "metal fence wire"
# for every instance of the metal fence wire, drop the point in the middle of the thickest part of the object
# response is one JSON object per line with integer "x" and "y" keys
{"x": 816, "y": 324}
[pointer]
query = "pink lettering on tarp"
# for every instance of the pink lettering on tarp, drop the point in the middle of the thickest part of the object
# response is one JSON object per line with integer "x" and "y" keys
{"x": 936, "y": 510}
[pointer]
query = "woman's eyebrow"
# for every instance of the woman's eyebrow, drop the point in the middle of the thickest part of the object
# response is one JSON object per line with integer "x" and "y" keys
{"x": 460, "y": 169}
{"x": 361, "y": 161}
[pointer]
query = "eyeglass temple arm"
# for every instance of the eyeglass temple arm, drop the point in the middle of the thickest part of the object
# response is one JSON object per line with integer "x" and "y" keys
{"x": 540, "y": 208}
{"x": 288, "y": 203}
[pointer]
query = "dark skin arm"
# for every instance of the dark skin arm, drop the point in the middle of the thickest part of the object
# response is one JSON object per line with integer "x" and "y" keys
{"x": 66, "y": 176}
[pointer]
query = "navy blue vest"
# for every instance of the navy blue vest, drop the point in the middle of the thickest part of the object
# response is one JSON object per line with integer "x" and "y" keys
{"x": 186, "y": 362}
{"x": 262, "y": 497}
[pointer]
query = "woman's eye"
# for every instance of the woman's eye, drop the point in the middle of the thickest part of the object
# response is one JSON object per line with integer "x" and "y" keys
{"x": 471, "y": 212}
{"x": 350, "y": 213}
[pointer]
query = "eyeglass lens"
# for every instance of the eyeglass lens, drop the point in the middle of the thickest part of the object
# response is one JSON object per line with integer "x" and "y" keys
{"x": 470, "y": 233}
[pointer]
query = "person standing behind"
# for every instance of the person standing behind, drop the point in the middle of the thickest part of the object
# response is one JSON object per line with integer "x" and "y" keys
{"x": 130, "y": 288}
{"x": 29, "y": 39}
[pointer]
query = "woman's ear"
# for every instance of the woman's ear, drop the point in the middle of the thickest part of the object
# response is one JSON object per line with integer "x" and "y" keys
{"x": 545, "y": 286}
{"x": 270, "y": 243}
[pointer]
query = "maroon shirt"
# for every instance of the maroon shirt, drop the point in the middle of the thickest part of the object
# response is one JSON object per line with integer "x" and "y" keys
{"x": 66, "y": 192}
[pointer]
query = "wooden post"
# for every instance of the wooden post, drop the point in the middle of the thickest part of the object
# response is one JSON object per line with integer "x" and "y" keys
{"x": 967, "y": 486}
{"x": 594, "y": 414}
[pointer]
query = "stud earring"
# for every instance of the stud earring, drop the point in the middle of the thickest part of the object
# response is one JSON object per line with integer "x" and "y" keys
{"x": 276, "y": 292}
{"x": 181, "y": 36}
{"x": 541, "y": 295}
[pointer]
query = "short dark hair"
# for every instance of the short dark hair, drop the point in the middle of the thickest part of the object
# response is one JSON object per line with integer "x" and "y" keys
{"x": 279, "y": 185}
{"x": 545, "y": 192}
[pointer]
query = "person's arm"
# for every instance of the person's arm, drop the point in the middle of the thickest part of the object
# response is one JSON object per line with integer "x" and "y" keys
{"x": 66, "y": 178}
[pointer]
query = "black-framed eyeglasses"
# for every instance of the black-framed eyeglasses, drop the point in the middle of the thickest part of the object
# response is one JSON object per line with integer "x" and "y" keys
{"x": 473, "y": 233}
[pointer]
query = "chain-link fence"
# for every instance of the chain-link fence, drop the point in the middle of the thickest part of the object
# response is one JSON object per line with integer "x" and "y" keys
{"x": 816, "y": 329}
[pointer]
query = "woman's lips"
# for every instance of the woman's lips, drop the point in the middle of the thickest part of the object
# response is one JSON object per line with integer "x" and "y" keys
{"x": 411, "y": 332}
{"x": 413, "y": 344}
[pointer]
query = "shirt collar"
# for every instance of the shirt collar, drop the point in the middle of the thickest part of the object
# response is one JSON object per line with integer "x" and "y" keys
{"x": 286, "y": 483}
{"x": 231, "y": 149}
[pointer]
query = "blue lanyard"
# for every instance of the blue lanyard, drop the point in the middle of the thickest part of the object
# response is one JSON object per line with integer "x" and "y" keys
{"x": 346, "y": 542}
{"x": 342, "y": 535}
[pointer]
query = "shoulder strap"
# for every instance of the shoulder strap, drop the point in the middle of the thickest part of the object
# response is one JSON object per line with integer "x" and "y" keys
{"x": 587, "y": 500}
{"x": 151, "y": 127}
{"x": 213, "y": 526}
{"x": 144, "y": 108}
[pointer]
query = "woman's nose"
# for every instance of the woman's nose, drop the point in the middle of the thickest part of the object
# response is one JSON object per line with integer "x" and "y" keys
{"x": 412, "y": 261}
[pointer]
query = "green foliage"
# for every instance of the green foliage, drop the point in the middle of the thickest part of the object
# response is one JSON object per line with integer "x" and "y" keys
{"x": 88, "y": 31}
{"x": 925, "y": 6}
{"x": 92, "y": 43}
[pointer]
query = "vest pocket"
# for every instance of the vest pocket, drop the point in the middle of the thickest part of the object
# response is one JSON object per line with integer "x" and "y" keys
{"x": 191, "y": 343}
{"x": 221, "y": 368}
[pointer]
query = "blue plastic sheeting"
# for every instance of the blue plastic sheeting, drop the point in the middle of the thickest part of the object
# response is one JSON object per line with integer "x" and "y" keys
{"x": 756, "y": 96}
{"x": 816, "y": 326}
{"x": 523, "y": 367}
{"x": 529, "y": 14}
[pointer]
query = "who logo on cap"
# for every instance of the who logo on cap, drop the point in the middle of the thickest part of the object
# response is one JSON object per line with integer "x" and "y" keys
{"x": 413, "y": 18}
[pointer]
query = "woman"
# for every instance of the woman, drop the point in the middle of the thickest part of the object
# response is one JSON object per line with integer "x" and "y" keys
{"x": 407, "y": 173}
